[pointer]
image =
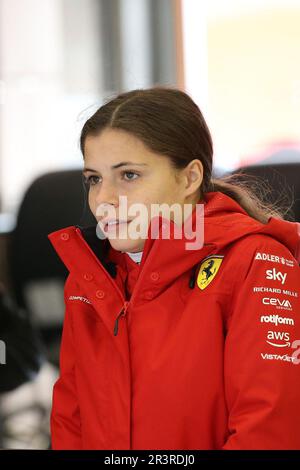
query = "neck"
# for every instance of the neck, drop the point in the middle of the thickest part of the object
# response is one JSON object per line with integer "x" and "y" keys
{"x": 136, "y": 257}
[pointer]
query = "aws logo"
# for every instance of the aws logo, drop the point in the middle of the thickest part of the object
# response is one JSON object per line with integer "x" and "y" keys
{"x": 208, "y": 271}
{"x": 282, "y": 339}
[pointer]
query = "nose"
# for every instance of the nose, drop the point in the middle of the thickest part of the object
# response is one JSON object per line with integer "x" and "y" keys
{"x": 106, "y": 196}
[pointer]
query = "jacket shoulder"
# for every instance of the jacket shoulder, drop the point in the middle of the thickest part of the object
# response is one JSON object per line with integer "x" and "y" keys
{"x": 250, "y": 257}
{"x": 260, "y": 244}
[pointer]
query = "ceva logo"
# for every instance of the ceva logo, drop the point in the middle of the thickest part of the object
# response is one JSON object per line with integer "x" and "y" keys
{"x": 281, "y": 304}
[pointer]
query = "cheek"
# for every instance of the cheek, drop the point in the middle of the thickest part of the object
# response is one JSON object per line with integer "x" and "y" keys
{"x": 91, "y": 201}
{"x": 168, "y": 191}
{"x": 159, "y": 191}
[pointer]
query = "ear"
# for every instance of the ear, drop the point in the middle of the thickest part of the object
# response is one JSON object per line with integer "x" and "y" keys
{"x": 193, "y": 174}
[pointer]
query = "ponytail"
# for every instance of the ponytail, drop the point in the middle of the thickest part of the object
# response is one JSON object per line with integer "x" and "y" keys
{"x": 252, "y": 194}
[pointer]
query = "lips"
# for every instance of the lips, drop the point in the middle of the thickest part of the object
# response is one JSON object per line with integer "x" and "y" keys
{"x": 113, "y": 225}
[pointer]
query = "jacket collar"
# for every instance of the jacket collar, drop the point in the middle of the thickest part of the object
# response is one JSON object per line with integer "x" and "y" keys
{"x": 224, "y": 222}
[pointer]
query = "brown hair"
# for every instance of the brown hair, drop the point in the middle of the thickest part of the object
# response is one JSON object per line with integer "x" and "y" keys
{"x": 170, "y": 123}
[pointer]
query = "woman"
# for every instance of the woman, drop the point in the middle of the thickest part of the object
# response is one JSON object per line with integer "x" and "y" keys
{"x": 166, "y": 346}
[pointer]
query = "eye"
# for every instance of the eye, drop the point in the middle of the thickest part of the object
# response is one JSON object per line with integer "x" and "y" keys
{"x": 91, "y": 180}
{"x": 130, "y": 175}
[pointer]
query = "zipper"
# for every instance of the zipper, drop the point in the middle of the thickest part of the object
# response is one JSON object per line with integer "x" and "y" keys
{"x": 121, "y": 314}
{"x": 125, "y": 302}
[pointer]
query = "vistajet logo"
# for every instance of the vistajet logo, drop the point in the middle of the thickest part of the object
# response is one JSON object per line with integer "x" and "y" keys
{"x": 279, "y": 357}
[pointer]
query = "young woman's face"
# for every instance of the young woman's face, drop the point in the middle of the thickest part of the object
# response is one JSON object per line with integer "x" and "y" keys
{"x": 119, "y": 164}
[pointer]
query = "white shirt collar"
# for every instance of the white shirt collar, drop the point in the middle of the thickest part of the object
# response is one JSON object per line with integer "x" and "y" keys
{"x": 136, "y": 257}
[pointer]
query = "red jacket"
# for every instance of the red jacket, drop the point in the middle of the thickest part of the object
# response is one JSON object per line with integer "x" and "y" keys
{"x": 205, "y": 354}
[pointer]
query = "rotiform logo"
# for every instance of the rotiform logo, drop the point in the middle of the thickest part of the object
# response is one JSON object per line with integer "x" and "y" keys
{"x": 276, "y": 319}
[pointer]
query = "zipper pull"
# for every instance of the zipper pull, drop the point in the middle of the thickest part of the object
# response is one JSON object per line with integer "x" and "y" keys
{"x": 192, "y": 280}
{"x": 122, "y": 313}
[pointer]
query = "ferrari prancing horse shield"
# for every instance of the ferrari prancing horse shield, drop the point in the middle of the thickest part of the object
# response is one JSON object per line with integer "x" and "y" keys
{"x": 208, "y": 271}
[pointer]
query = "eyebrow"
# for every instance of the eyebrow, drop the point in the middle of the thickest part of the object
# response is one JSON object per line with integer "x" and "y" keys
{"x": 118, "y": 165}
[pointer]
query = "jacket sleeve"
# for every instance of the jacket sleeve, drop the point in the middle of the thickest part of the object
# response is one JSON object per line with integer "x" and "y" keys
{"x": 65, "y": 415}
{"x": 262, "y": 349}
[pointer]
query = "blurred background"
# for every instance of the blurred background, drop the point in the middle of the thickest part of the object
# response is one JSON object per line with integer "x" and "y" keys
{"x": 59, "y": 60}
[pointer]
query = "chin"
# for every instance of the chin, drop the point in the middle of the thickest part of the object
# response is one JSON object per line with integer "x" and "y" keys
{"x": 127, "y": 245}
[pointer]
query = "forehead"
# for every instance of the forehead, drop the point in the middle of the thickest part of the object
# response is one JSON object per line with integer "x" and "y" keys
{"x": 113, "y": 144}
